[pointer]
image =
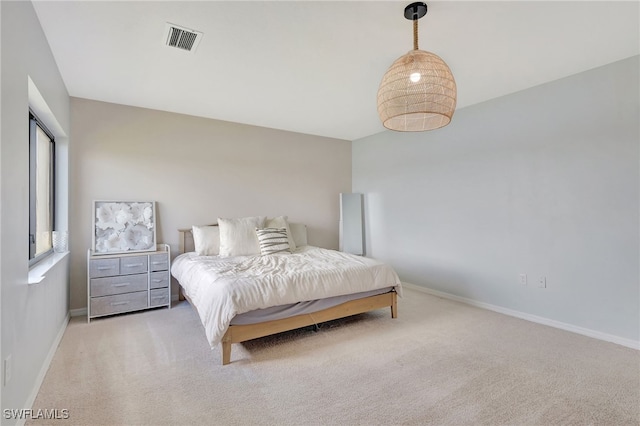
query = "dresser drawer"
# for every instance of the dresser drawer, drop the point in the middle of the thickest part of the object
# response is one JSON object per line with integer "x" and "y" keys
{"x": 159, "y": 262}
{"x": 116, "y": 285}
{"x": 133, "y": 264}
{"x": 118, "y": 303}
{"x": 159, "y": 297}
{"x": 159, "y": 279}
{"x": 104, "y": 267}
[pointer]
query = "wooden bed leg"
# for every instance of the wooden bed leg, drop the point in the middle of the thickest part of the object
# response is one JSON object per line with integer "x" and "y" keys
{"x": 226, "y": 350}
{"x": 180, "y": 293}
{"x": 394, "y": 306}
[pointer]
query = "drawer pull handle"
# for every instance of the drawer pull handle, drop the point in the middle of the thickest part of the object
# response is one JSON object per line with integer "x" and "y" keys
{"x": 159, "y": 263}
{"x": 121, "y": 285}
{"x": 105, "y": 268}
{"x": 134, "y": 265}
{"x": 158, "y": 297}
{"x": 157, "y": 281}
{"x": 119, "y": 303}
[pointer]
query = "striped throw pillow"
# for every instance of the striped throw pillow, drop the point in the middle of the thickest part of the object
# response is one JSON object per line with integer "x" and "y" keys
{"x": 273, "y": 240}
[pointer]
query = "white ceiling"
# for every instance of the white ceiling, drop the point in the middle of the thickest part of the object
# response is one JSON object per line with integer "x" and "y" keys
{"x": 314, "y": 66}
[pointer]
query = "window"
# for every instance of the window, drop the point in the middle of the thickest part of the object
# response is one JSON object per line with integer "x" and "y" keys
{"x": 41, "y": 189}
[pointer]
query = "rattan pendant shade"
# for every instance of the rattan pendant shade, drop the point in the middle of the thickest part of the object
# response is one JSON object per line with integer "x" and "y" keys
{"x": 418, "y": 92}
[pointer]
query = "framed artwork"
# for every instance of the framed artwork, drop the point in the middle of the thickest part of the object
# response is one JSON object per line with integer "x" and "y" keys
{"x": 124, "y": 226}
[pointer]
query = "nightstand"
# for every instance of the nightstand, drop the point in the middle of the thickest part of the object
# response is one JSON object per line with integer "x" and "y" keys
{"x": 127, "y": 282}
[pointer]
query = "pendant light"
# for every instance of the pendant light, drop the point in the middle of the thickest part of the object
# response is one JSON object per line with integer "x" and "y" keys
{"x": 418, "y": 91}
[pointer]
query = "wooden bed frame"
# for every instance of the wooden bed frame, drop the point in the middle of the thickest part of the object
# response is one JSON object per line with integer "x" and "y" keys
{"x": 241, "y": 333}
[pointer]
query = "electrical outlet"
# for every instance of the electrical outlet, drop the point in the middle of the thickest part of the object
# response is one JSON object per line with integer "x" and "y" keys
{"x": 542, "y": 282}
{"x": 522, "y": 279}
{"x": 8, "y": 366}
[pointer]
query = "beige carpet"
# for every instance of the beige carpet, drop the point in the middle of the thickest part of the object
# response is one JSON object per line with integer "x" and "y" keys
{"x": 440, "y": 362}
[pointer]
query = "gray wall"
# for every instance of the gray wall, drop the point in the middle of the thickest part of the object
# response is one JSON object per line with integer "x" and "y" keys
{"x": 542, "y": 182}
{"x": 197, "y": 170}
{"x": 33, "y": 316}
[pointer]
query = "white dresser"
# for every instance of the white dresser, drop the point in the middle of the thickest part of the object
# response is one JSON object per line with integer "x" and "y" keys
{"x": 127, "y": 282}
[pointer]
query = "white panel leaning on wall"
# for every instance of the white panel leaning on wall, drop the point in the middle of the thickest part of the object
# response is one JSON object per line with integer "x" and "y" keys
{"x": 351, "y": 224}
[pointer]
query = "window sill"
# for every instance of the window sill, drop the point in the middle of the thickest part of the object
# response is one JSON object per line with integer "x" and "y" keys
{"x": 38, "y": 271}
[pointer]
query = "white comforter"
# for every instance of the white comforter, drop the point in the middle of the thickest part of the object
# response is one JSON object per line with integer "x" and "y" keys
{"x": 221, "y": 288}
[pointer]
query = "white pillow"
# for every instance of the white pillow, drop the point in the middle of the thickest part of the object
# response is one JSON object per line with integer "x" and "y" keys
{"x": 282, "y": 222}
{"x": 206, "y": 240}
{"x": 273, "y": 240}
{"x": 238, "y": 236}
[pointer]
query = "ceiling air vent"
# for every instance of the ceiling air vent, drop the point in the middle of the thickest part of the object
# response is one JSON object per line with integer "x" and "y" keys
{"x": 181, "y": 38}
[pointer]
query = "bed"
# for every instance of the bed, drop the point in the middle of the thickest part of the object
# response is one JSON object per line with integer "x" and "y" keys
{"x": 243, "y": 297}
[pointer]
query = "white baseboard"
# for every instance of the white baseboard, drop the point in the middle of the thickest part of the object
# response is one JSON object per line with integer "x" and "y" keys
{"x": 629, "y": 343}
{"x": 45, "y": 367}
{"x": 82, "y": 312}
